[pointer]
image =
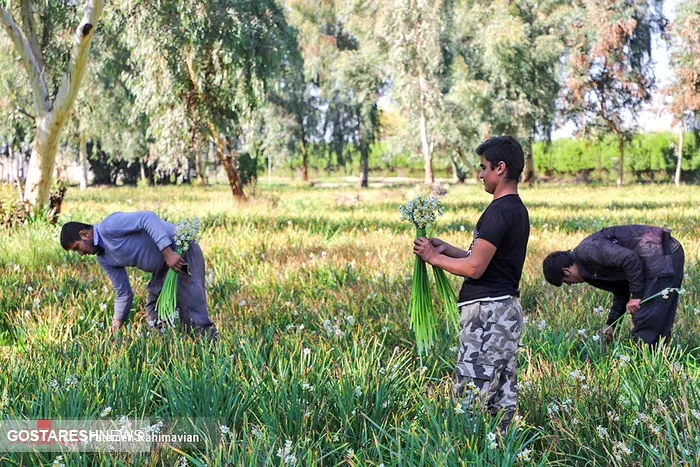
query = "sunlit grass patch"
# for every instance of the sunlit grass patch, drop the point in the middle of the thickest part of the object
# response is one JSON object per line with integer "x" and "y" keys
{"x": 317, "y": 363}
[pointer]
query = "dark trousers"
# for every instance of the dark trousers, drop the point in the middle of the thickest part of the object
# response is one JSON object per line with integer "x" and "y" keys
{"x": 191, "y": 295}
{"x": 654, "y": 319}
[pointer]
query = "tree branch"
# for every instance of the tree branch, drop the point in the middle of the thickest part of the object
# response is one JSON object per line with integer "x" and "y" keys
{"x": 30, "y": 31}
{"x": 76, "y": 67}
{"x": 35, "y": 73}
{"x": 189, "y": 61}
{"x": 25, "y": 113}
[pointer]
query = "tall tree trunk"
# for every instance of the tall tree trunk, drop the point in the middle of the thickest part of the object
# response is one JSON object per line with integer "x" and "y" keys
{"x": 364, "y": 169}
{"x": 474, "y": 170}
{"x": 529, "y": 172}
{"x": 425, "y": 146}
{"x": 50, "y": 114}
{"x": 459, "y": 175}
{"x": 82, "y": 151}
{"x": 677, "y": 177}
{"x": 364, "y": 165}
{"x": 621, "y": 149}
{"x": 304, "y": 157}
{"x": 269, "y": 170}
{"x": 200, "y": 166}
{"x": 12, "y": 174}
{"x": 142, "y": 168}
{"x": 42, "y": 161}
{"x": 233, "y": 178}
{"x": 423, "y": 128}
{"x": 227, "y": 160}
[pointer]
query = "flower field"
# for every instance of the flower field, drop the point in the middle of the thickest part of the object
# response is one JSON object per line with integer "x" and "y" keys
{"x": 309, "y": 287}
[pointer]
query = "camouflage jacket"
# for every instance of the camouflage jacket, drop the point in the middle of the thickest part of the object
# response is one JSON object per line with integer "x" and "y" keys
{"x": 625, "y": 254}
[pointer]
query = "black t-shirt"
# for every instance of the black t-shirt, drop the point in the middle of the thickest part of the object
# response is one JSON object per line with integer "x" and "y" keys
{"x": 505, "y": 223}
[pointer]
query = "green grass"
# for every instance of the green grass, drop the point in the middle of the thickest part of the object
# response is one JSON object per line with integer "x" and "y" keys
{"x": 311, "y": 268}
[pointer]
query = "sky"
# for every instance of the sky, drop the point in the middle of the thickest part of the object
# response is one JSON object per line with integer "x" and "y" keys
{"x": 652, "y": 118}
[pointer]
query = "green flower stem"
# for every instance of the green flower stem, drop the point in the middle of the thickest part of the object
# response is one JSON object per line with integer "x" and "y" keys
{"x": 663, "y": 292}
{"x": 448, "y": 300}
{"x": 167, "y": 300}
{"x": 421, "y": 305}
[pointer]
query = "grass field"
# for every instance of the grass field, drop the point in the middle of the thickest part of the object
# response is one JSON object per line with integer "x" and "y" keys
{"x": 309, "y": 287}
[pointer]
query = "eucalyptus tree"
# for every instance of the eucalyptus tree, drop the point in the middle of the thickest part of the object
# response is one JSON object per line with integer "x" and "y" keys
{"x": 17, "y": 124}
{"x": 362, "y": 72}
{"x": 277, "y": 138}
{"x": 464, "y": 121}
{"x": 330, "y": 90}
{"x": 105, "y": 114}
{"x": 415, "y": 34}
{"x": 609, "y": 67}
{"x": 201, "y": 65}
{"x": 296, "y": 102}
{"x": 684, "y": 92}
{"x": 308, "y": 93}
{"x": 364, "y": 88}
{"x": 54, "y": 63}
{"x": 106, "y": 118}
{"x": 506, "y": 74}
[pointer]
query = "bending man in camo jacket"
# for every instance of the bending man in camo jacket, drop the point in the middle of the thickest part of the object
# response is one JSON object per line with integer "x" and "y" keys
{"x": 491, "y": 316}
{"x": 634, "y": 262}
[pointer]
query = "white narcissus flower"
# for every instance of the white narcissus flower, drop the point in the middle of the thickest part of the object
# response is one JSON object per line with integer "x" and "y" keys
{"x": 286, "y": 453}
{"x": 524, "y": 455}
{"x": 421, "y": 210}
{"x": 602, "y": 432}
{"x": 186, "y": 232}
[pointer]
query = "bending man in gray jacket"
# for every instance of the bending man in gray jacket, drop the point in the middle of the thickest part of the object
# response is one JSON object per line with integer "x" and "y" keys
{"x": 634, "y": 262}
{"x": 142, "y": 240}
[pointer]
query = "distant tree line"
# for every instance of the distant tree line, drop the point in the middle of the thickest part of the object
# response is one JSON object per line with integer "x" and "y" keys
{"x": 650, "y": 157}
{"x": 164, "y": 92}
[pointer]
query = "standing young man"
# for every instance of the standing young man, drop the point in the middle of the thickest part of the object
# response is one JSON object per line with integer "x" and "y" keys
{"x": 142, "y": 240}
{"x": 491, "y": 315}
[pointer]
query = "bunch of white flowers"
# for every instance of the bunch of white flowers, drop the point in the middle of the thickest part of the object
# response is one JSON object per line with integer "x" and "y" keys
{"x": 421, "y": 210}
{"x": 186, "y": 232}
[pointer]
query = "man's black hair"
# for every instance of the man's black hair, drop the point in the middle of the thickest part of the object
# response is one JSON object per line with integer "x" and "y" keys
{"x": 506, "y": 149}
{"x": 554, "y": 264}
{"x": 70, "y": 233}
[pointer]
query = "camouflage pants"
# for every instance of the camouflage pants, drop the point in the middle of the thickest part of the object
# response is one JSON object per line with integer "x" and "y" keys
{"x": 487, "y": 363}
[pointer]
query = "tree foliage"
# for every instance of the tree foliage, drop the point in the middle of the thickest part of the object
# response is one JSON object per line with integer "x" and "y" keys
{"x": 609, "y": 68}
{"x": 348, "y": 85}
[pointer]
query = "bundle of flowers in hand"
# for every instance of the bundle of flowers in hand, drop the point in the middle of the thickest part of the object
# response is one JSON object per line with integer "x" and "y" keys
{"x": 422, "y": 211}
{"x": 186, "y": 232}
